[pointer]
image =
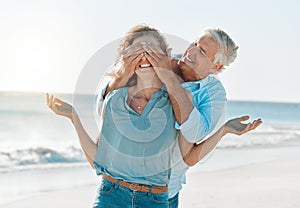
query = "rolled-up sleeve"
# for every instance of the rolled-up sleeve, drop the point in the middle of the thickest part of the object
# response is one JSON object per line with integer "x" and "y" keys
{"x": 191, "y": 128}
{"x": 208, "y": 114}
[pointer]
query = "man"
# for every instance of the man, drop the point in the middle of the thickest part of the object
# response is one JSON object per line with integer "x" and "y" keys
{"x": 207, "y": 55}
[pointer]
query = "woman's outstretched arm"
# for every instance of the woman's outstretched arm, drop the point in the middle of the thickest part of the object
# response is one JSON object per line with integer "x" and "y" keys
{"x": 62, "y": 108}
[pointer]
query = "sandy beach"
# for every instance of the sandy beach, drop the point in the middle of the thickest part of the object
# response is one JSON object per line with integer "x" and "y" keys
{"x": 266, "y": 184}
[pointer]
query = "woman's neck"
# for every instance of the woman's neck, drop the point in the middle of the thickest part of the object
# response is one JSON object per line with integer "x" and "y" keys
{"x": 145, "y": 87}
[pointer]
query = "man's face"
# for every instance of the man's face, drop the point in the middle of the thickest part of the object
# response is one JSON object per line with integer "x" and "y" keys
{"x": 197, "y": 61}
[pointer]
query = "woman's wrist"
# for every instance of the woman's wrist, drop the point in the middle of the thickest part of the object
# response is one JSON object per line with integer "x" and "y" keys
{"x": 74, "y": 116}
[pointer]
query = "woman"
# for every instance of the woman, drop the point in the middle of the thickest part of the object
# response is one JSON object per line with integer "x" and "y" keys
{"x": 137, "y": 136}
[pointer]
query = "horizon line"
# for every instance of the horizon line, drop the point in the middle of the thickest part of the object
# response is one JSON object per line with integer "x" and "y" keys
{"x": 6, "y": 92}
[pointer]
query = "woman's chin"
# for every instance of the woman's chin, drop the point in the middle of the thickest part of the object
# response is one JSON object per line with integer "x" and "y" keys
{"x": 145, "y": 72}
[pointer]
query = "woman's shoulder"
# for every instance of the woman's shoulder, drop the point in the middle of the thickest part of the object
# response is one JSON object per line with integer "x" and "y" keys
{"x": 116, "y": 94}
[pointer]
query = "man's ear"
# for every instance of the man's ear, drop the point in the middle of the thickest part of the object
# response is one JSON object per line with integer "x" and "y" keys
{"x": 218, "y": 67}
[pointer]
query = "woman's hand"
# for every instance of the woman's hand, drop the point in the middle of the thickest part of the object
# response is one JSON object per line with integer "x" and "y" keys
{"x": 235, "y": 126}
{"x": 59, "y": 107}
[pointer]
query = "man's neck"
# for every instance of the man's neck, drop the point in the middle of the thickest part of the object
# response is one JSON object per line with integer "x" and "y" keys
{"x": 187, "y": 73}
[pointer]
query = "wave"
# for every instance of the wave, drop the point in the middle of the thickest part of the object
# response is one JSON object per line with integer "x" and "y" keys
{"x": 265, "y": 137}
{"x": 16, "y": 154}
{"x": 38, "y": 156}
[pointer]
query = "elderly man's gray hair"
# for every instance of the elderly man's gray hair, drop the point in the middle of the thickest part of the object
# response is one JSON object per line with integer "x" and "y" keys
{"x": 227, "y": 48}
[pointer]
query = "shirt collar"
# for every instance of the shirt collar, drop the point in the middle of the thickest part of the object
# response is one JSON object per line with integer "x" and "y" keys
{"x": 201, "y": 81}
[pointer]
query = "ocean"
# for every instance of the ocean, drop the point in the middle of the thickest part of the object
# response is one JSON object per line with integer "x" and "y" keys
{"x": 34, "y": 142}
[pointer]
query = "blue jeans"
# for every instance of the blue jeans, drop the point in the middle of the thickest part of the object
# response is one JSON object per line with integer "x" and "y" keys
{"x": 173, "y": 202}
{"x": 111, "y": 195}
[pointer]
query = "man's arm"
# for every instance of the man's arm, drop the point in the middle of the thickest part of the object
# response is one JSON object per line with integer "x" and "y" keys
{"x": 180, "y": 98}
{"x": 209, "y": 98}
{"x": 233, "y": 126}
{"x": 181, "y": 102}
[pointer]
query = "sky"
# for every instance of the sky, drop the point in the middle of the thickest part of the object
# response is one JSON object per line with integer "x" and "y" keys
{"x": 44, "y": 45}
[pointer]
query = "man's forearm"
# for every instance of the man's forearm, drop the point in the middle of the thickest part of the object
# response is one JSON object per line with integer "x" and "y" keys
{"x": 180, "y": 99}
{"x": 185, "y": 146}
{"x": 198, "y": 152}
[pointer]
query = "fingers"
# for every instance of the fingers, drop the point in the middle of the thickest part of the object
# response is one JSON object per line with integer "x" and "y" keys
{"x": 246, "y": 129}
{"x": 130, "y": 64}
{"x": 153, "y": 61}
{"x": 155, "y": 51}
{"x": 133, "y": 49}
{"x": 157, "y": 58}
{"x": 154, "y": 54}
{"x": 259, "y": 122}
{"x": 133, "y": 52}
{"x": 52, "y": 101}
{"x": 49, "y": 101}
{"x": 153, "y": 48}
{"x": 57, "y": 101}
{"x": 243, "y": 118}
{"x": 136, "y": 60}
{"x": 255, "y": 124}
{"x": 153, "y": 58}
{"x": 133, "y": 58}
